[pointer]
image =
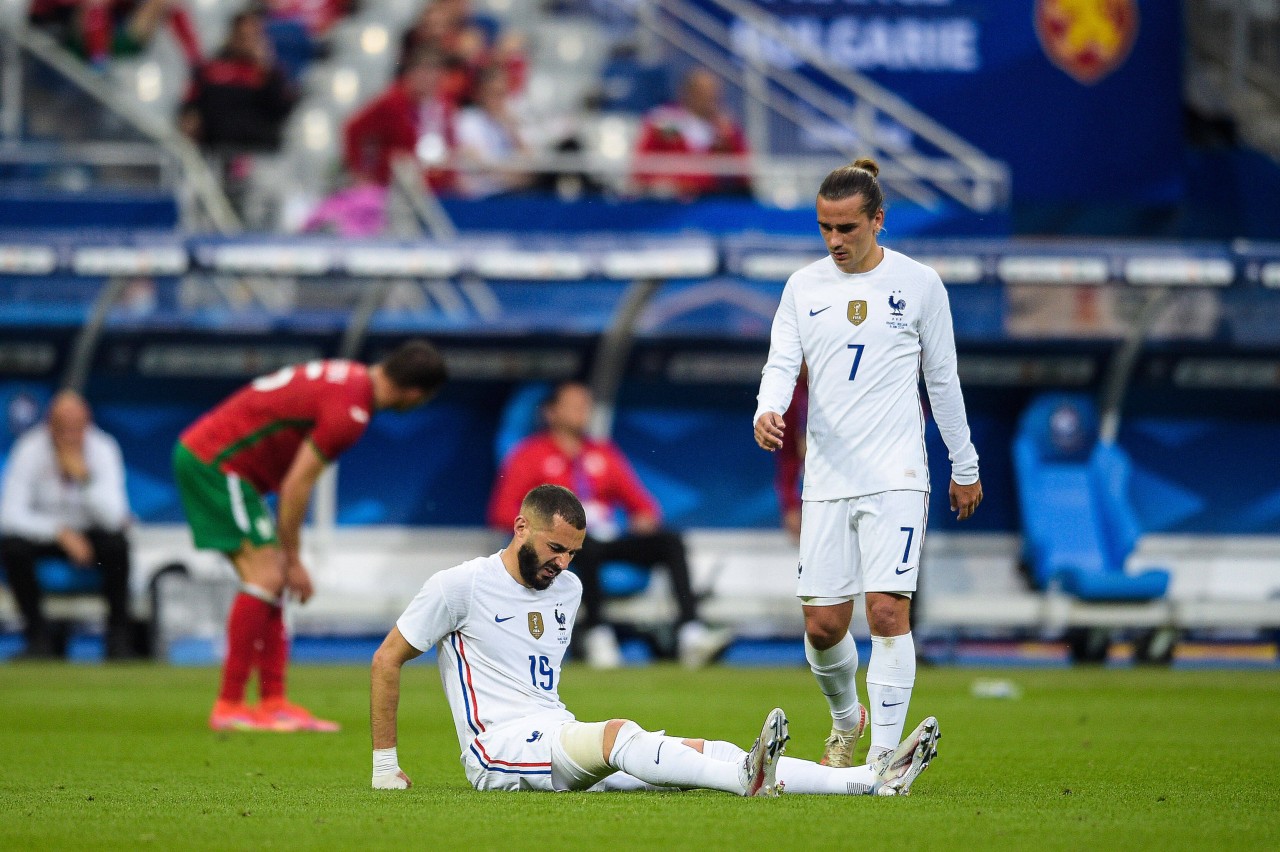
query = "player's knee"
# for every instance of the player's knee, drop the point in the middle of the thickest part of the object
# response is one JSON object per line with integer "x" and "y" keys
{"x": 888, "y": 615}
{"x": 696, "y": 745}
{"x": 612, "y": 730}
{"x": 824, "y": 630}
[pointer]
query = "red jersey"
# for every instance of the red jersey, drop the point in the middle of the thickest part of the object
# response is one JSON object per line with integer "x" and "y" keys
{"x": 256, "y": 432}
{"x": 600, "y": 476}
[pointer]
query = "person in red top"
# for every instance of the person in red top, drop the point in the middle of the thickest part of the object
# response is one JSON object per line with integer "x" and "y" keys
{"x": 275, "y": 436}
{"x": 411, "y": 118}
{"x": 598, "y": 472}
{"x": 696, "y": 126}
{"x": 239, "y": 100}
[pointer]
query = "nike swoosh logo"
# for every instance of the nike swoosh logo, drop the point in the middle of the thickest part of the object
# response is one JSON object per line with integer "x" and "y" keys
{"x": 658, "y": 758}
{"x": 903, "y": 570}
{"x": 814, "y": 313}
{"x": 884, "y": 704}
{"x": 500, "y": 619}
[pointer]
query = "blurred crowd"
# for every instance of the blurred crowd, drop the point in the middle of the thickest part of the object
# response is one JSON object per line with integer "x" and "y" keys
{"x": 456, "y": 110}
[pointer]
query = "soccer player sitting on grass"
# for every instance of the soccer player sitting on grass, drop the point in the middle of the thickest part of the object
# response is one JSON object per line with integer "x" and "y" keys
{"x": 501, "y": 625}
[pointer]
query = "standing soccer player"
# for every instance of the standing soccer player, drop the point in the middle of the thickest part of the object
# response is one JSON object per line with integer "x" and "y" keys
{"x": 276, "y": 435}
{"x": 867, "y": 320}
{"x": 501, "y": 625}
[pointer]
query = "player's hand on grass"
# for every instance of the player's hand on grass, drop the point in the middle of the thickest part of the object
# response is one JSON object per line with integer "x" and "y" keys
{"x": 769, "y": 431}
{"x": 297, "y": 581}
{"x": 391, "y": 780}
{"x": 965, "y": 499}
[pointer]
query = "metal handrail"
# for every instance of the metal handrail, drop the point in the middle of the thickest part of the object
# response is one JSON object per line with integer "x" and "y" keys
{"x": 989, "y": 176}
{"x": 198, "y": 176}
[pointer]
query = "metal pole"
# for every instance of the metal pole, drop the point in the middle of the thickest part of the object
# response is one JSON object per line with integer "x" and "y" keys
{"x": 76, "y": 375}
{"x": 11, "y": 94}
{"x": 615, "y": 347}
{"x": 1118, "y": 377}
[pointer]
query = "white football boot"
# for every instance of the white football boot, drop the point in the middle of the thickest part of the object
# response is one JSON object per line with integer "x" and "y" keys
{"x": 898, "y": 770}
{"x": 759, "y": 772}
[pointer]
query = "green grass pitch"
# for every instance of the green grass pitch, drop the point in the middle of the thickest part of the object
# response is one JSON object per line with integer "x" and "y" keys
{"x": 120, "y": 757}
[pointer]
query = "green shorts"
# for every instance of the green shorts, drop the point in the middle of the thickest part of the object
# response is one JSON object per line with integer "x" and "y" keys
{"x": 222, "y": 509}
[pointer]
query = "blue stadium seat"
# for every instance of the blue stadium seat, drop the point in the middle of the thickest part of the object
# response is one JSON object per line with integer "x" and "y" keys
{"x": 1079, "y": 526}
{"x": 293, "y": 45}
{"x": 60, "y": 577}
{"x": 628, "y": 85}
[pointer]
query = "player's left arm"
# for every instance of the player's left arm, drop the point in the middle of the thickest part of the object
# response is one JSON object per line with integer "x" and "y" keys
{"x": 938, "y": 362}
{"x": 295, "y": 497}
{"x": 384, "y": 704}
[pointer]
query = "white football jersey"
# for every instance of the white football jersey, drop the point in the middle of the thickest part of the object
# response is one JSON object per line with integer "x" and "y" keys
{"x": 865, "y": 337}
{"x": 500, "y": 644}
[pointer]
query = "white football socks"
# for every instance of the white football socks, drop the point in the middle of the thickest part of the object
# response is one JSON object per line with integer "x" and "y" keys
{"x": 891, "y": 673}
{"x": 668, "y": 762}
{"x": 803, "y": 776}
{"x": 806, "y": 777}
{"x": 834, "y": 670}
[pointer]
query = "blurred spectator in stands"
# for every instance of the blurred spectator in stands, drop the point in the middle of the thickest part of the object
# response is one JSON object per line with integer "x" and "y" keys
{"x": 63, "y": 496}
{"x": 469, "y": 43}
{"x": 101, "y": 29}
{"x": 239, "y": 100}
{"x": 598, "y": 472}
{"x": 490, "y": 137}
{"x": 696, "y": 126}
{"x": 790, "y": 459}
{"x": 411, "y": 118}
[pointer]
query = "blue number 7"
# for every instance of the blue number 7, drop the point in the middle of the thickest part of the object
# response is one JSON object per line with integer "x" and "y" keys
{"x": 857, "y": 358}
{"x": 906, "y": 551}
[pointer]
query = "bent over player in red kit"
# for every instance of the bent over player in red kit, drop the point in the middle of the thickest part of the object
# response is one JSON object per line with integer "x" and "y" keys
{"x": 276, "y": 435}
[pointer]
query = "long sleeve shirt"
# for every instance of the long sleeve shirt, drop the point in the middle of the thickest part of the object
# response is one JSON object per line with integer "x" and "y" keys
{"x": 866, "y": 338}
{"x": 36, "y": 500}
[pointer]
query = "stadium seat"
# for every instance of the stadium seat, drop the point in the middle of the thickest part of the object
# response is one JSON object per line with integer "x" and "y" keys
{"x": 1078, "y": 523}
{"x": 627, "y": 85}
{"x": 293, "y": 45}
{"x": 60, "y": 577}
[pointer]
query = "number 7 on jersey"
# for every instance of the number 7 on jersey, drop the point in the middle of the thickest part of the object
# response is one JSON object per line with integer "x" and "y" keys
{"x": 857, "y": 358}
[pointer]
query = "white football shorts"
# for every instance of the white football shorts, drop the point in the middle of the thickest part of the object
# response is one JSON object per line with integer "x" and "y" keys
{"x": 515, "y": 756}
{"x": 544, "y": 754}
{"x": 861, "y": 544}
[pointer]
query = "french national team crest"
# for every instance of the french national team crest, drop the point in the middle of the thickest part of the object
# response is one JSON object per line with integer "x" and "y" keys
{"x": 536, "y": 625}
{"x": 857, "y": 311}
{"x": 1088, "y": 39}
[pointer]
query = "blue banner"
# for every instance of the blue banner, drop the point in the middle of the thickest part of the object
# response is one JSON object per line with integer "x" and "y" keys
{"x": 1082, "y": 98}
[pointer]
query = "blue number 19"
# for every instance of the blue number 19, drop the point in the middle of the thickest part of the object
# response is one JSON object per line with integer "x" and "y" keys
{"x": 540, "y": 667}
{"x": 857, "y": 357}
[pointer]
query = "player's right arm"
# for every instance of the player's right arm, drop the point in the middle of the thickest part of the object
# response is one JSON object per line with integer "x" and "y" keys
{"x": 384, "y": 703}
{"x": 295, "y": 496}
{"x": 778, "y": 380}
{"x": 439, "y": 608}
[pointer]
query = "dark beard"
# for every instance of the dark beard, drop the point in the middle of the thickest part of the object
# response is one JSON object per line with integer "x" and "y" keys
{"x": 527, "y": 559}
